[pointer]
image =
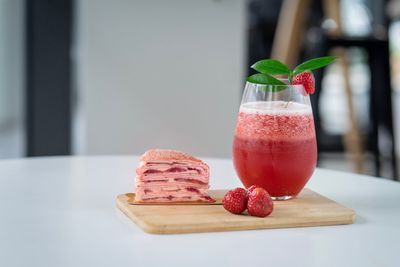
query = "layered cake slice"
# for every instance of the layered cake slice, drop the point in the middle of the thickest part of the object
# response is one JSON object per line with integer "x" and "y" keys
{"x": 171, "y": 176}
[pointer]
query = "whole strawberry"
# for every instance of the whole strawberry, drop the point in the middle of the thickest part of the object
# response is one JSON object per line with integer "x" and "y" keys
{"x": 306, "y": 79}
{"x": 259, "y": 203}
{"x": 235, "y": 201}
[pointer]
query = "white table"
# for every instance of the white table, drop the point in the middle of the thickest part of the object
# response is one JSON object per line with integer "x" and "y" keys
{"x": 60, "y": 211}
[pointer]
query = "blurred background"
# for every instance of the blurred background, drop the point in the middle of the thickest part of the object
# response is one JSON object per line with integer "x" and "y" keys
{"x": 90, "y": 77}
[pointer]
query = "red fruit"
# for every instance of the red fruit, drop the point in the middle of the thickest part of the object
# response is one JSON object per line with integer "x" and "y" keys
{"x": 235, "y": 201}
{"x": 307, "y": 80}
{"x": 260, "y": 203}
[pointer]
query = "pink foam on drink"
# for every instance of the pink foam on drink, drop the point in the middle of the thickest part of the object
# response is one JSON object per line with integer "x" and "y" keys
{"x": 275, "y": 120}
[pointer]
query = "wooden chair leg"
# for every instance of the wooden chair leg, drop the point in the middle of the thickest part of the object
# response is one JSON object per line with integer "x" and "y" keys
{"x": 352, "y": 139}
{"x": 289, "y": 31}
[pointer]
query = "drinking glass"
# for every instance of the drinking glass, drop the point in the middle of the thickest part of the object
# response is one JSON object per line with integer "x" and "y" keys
{"x": 274, "y": 144}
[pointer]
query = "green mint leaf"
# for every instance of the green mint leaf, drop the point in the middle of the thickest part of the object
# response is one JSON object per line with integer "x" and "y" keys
{"x": 271, "y": 66}
{"x": 313, "y": 64}
{"x": 262, "y": 78}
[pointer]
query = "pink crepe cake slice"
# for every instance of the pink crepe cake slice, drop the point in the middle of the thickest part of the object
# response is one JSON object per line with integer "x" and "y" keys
{"x": 170, "y": 176}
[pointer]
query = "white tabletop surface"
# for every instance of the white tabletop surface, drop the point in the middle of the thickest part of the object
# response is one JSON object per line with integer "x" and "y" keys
{"x": 61, "y": 212}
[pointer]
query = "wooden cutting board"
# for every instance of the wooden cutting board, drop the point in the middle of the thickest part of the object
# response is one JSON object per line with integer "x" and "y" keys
{"x": 308, "y": 209}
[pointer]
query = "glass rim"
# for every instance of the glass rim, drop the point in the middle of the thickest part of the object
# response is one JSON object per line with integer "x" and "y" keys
{"x": 258, "y": 85}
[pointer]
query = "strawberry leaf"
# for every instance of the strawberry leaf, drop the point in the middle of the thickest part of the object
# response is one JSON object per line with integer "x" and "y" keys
{"x": 313, "y": 64}
{"x": 263, "y": 78}
{"x": 271, "y": 66}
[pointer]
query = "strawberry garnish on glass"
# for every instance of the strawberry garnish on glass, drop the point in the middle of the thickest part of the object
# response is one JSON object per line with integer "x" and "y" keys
{"x": 307, "y": 80}
{"x": 300, "y": 75}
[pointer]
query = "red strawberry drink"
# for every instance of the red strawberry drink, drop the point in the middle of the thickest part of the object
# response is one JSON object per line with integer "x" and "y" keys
{"x": 274, "y": 144}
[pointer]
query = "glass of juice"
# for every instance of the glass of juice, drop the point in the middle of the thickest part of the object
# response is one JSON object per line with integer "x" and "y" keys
{"x": 274, "y": 144}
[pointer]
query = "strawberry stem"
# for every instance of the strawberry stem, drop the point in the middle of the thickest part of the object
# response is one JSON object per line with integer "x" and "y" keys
{"x": 290, "y": 76}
